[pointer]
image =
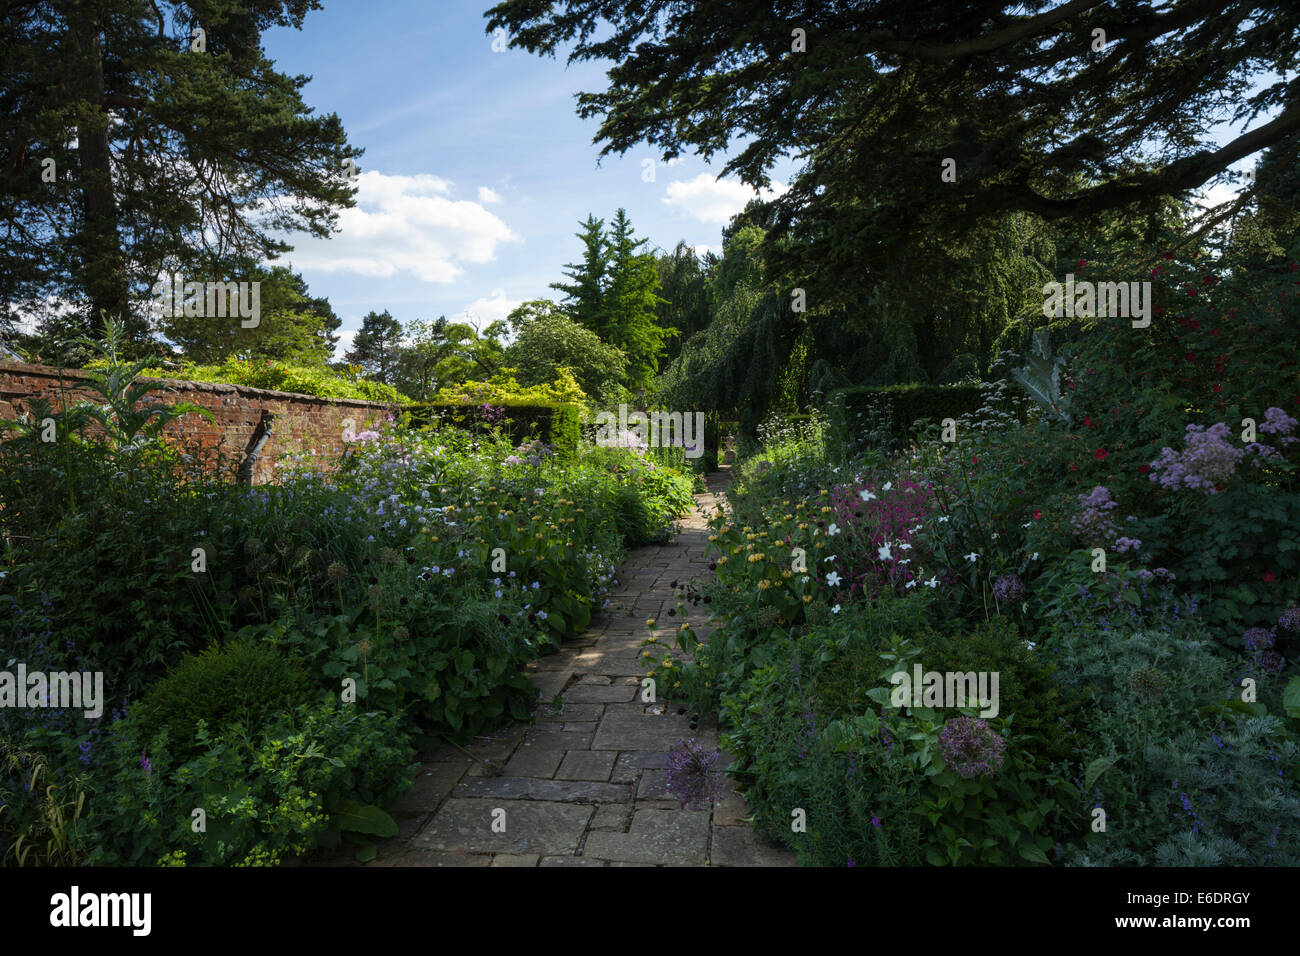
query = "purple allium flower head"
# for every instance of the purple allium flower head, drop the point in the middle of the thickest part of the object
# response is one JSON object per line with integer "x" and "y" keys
{"x": 1008, "y": 589}
{"x": 1271, "y": 662}
{"x": 1289, "y": 620}
{"x": 971, "y": 747}
{"x": 693, "y": 777}
{"x": 144, "y": 762}
{"x": 1257, "y": 639}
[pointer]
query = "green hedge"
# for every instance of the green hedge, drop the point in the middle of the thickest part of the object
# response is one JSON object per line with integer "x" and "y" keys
{"x": 885, "y": 416}
{"x": 557, "y": 424}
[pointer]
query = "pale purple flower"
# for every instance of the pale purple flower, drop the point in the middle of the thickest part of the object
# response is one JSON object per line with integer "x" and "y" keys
{"x": 1207, "y": 459}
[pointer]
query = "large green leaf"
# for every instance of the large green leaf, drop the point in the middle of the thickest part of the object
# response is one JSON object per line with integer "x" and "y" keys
{"x": 351, "y": 815}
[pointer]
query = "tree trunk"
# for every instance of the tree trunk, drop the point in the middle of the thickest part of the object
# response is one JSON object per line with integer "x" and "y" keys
{"x": 102, "y": 267}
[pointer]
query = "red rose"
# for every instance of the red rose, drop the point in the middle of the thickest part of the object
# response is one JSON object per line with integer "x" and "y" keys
{"x": 1100, "y": 454}
{"x": 1218, "y": 388}
{"x": 1168, "y": 255}
{"x": 1037, "y": 515}
{"x": 1268, "y": 577}
{"x": 974, "y": 460}
{"x": 1087, "y": 422}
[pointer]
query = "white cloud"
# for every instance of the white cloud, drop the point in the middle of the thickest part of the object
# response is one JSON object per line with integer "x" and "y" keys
{"x": 482, "y": 312}
{"x": 406, "y": 224}
{"x": 487, "y": 194}
{"x": 345, "y": 342}
{"x": 701, "y": 251}
{"x": 714, "y": 200}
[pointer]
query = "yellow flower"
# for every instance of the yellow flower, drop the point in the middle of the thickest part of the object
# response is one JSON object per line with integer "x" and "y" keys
{"x": 722, "y": 560}
{"x": 647, "y": 654}
{"x": 787, "y": 574}
{"x": 677, "y": 683}
{"x": 821, "y": 544}
{"x": 826, "y": 511}
{"x": 650, "y": 622}
{"x": 803, "y": 525}
{"x": 713, "y": 537}
{"x": 652, "y": 638}
{"x": 807, "y": 599}
{"x": 764, "y": 584}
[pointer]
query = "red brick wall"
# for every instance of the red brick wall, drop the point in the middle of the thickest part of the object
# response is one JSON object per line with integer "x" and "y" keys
{"x": 304, "y": 424}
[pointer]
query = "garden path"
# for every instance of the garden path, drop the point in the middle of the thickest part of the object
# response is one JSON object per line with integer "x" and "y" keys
{"x": 586, "y": 784}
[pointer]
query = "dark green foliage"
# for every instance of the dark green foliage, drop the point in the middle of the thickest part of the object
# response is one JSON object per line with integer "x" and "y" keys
{"x": 558, "y": 424}
{"x": 887, "y": 416}
{"x": 267, "y": 792}
{"x": 242, "y": 683}
{"x": 376, "y": 346}
{"x": 157, "y": 148}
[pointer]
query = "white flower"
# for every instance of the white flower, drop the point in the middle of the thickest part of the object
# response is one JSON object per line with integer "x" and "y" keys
{"x": 884, "y": 553}
{"x": 905, "y": 547}
{"x": 1026, "y": 524}
{"x": 972, "y": 557}
{"x": 906, "y": 561}
{"x": 932, "y": 583}
{"x": 866, "y": 495}
{"x": 886, "y": 486}
{"x": 943, "y": 519}
{"x": 910, "y": 584}
{"x": 833, "y": 530}
{"x": 1034, "y": 556}
{"x": 831, "y": 558}
{"x": 833, "y": 579}
{"x": 995, "y": 536}
{"x": 835, "y": 609}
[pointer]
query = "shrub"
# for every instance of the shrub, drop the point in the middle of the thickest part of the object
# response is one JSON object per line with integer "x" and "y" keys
{"x": 241, "y": 683}
{"x": 277, "y": 790}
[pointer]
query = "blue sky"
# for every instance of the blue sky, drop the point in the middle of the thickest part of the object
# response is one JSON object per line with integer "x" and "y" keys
{"x": 477, "y": 168}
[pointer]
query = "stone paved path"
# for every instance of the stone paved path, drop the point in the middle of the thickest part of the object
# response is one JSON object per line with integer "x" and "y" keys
{"x": 586, "y": 785}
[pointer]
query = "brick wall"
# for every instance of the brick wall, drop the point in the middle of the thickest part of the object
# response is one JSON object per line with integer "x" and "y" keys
{"x": 304, "y": 424}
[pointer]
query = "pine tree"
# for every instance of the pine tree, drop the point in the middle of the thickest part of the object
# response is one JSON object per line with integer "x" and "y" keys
{"x": 585, "y": 295}
{"x": 135, "y": 145}
{"x": 375, "y": 347}
{"x": 632, "y": 303}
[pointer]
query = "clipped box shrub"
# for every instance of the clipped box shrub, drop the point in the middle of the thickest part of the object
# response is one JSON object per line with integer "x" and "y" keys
{"x": 243, "y": 682}
{"x": 885, "y": 416}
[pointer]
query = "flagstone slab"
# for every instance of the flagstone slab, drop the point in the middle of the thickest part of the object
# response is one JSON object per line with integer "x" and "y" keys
{"x": 570, "y": 861}
{"x": 419, "y": 857}
{"x": 586, "y": 765}
{"x": 433, "y": 781}
{"x": 741, "y": 846}
{"x": 595, "y": 693}
{"x": 533, "y": 763}
{"x": 670, "y": 837}
{"x": 556, "y": 740}
{"x": 465, "y": 826}
{"x": 515, "y": 859}
{"x": 535, "y": 788}
{"x": 620, "y": 730}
